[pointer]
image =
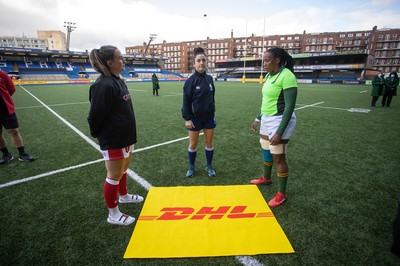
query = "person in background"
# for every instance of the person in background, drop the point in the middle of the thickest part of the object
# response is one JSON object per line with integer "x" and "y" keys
{"x": 8, "y": 120}
{"x": 198, "y": 110}
{"x": 277, "y": 120}
{"x": 112, "y": 121}
{"x": 377, "y": 87}
{"x": 156, "y": 84}
{"x": 390, "y": 90}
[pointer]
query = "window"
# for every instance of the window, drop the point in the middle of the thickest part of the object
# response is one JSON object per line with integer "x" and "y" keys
{"x": 350, "y": 35}
{"x": 342, "y": 35}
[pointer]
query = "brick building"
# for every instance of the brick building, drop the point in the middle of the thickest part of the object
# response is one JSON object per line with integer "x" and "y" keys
{"x": 382, "y": 47}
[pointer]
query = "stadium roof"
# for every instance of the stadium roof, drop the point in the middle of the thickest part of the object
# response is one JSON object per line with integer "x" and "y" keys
{"x": 66, "y": 54}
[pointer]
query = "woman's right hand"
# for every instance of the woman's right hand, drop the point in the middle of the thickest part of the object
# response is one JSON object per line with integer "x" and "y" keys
{"x": 255, "y": 125}
{"x": 189, "y": 124}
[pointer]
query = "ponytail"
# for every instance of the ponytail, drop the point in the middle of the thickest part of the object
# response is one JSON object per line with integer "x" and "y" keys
{"x": 99, "y": 57}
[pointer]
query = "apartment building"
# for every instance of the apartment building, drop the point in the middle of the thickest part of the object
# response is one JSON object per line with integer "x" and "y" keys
{"x": 382, "y": 46}
{"x": 47, "y": 39}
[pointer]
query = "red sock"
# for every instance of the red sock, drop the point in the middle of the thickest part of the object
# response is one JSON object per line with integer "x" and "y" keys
{"x": 111, "y": 192}
{"x": 123, "y": 190}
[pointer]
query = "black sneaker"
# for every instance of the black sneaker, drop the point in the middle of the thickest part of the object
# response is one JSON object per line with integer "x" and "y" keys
{"x": 24, "y": 157}
{"x": 6, "y": 158}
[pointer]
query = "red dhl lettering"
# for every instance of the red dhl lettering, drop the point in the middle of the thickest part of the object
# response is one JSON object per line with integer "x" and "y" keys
{"x": 209, "y": 213}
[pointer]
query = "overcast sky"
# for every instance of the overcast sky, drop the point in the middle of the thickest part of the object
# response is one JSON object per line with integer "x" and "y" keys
{"x": 130, "y": 22}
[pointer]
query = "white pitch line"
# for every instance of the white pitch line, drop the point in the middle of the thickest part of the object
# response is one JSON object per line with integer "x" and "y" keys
{"x": 57, "y": 104}
{"x": 309, "y": 105}
{"x": 171, "y": 95}
{"x": 138, "y": 90}
{"x": 138, "y": 179}
{"x": 161, "y": 144}
{"x": 23, "y": 180}
{"x": 248, "y": 261}
{"x": 363, "y": 91}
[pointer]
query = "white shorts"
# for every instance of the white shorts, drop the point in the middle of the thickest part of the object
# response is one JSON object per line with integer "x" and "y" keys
{"x": 270, "y": 124}
{"x": 117, "y": 154}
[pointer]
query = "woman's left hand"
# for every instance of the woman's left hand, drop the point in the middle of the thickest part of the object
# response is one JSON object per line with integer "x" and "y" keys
{"x": 275, "y": 140}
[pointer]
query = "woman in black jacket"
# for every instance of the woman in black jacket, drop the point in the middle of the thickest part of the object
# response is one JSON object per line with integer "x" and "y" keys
{"x": 198, "y": 110}
{"x": 112, "y": 122}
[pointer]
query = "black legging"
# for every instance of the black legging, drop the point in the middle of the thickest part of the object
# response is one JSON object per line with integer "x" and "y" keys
{"x": 387, "y": 97}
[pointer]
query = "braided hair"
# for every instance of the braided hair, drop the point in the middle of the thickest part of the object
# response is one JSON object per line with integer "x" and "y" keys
{"x": 99, "y": 57}
{"x": 286, "y": 59}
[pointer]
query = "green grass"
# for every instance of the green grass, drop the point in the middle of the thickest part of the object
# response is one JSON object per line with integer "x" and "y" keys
{"x": 343, "y": 187}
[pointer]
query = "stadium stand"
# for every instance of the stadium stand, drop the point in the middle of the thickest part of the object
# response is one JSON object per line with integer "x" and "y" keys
{"x": 44, "y": 66}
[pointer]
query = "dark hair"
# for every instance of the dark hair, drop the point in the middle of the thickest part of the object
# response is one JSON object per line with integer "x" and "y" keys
{"x": 99, "y": 57}
{"x": 286, "y": 59}
{"x": 197, "y": 51}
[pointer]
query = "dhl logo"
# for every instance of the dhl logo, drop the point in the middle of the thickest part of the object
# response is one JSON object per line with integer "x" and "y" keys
{"x": 210, "y": 213}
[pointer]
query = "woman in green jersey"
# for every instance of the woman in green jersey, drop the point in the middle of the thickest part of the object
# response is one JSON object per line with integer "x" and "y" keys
{"x": 277, "y": 120}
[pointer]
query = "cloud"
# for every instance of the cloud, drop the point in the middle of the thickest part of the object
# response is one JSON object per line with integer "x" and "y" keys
{"x": 130, "y": 22}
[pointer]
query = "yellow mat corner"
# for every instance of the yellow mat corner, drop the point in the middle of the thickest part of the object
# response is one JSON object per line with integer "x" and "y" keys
{"x": 206, "y": 221}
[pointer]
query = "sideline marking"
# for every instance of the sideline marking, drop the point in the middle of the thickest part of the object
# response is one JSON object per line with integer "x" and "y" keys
{"x": 138, "y": 179}
{"x": 309, "y": 105}
{"x": 23, "y": 180}
{"x": 248, "y": 261}
{"x": 57, "y": 104}
{"x": 352, "y": 110}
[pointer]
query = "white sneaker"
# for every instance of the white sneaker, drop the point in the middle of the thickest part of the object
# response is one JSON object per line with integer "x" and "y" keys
{"x": 129, "y": 198}
{"x": 124, "y": 220}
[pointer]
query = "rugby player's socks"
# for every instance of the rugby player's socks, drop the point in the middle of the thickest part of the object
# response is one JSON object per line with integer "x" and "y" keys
{"x": 123, "y": 190}
{"x": 192, "y": 156}
{"x": 21, "y": 149}
{"x": 111, "y": 192}
{"x": 4, "y": 150}
{"x": 268, "y": 162}
{"x": 209, "y": 155}
{"x": 282, "y": 181}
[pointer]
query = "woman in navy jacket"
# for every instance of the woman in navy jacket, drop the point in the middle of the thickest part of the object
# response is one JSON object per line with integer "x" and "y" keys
{"x": 198, "y": 110}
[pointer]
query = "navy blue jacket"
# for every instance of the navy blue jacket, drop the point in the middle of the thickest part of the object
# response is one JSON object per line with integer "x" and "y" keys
{"x": 111, "y": 116}
{"x": 198, "y": 96}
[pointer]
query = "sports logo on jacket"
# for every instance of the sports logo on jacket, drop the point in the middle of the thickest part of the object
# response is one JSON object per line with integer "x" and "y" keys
{"x": 126, "y": 97}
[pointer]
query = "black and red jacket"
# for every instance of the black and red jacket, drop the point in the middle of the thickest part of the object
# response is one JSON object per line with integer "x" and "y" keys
{"x": 111, "y": 116}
